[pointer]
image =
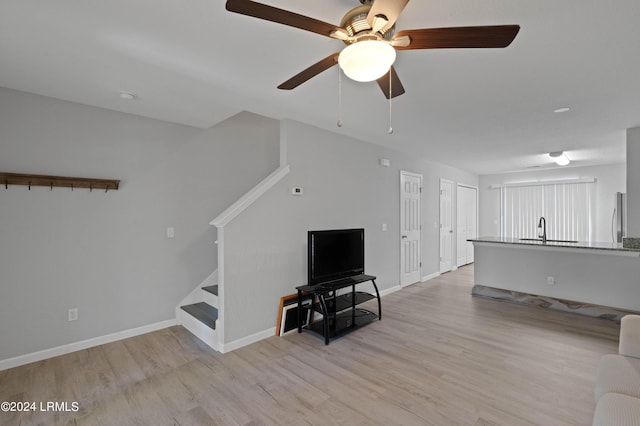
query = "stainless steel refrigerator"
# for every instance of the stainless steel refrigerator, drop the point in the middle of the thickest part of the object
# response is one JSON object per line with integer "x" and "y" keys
{"x": 619, "y": 219}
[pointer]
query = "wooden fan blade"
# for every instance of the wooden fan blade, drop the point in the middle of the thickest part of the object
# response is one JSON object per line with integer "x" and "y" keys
{"x": 281, "y": 16}
{"x": 396, "y": 86}
{"x": 389, "y": 8}
{"x": 310, "y": 72}
{"x": 459, "y": 37}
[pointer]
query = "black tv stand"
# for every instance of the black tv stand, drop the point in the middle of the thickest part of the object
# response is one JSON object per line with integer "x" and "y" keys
{"x": 340, "y": 314}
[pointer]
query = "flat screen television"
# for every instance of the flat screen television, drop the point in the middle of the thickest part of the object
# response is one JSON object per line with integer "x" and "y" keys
{"x": 335, "y": 254}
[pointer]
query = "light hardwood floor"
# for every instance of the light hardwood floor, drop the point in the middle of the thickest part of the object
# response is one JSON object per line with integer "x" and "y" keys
{"x": 438, "y": 357}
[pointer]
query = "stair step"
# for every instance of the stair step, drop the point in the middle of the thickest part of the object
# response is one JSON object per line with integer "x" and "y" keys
{"x": 213, "y": 289}
{"x": 203, "y": 312}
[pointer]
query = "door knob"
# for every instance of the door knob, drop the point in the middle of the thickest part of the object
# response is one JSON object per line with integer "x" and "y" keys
{"x": 404, "y": 236}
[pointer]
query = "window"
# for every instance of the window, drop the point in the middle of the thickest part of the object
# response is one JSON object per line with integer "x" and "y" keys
{"x": 567, "y": 206}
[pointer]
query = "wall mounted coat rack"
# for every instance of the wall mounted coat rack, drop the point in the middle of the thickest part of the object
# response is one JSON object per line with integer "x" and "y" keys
{"x": 7, "y": 179}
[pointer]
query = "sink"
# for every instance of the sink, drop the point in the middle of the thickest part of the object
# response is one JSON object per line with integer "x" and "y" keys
{"x": 549, "y": 241}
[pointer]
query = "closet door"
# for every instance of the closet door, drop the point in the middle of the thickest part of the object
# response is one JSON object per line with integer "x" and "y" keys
{"x": 467, "y": 220}
{"x": 446, "y": 225}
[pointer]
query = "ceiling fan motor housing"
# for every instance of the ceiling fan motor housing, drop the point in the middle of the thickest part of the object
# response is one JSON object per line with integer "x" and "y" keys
{"x": 355, "y": 23}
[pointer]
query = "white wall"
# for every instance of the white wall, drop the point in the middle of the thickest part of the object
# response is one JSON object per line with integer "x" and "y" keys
{"x": 107, "y": 254}
{"x": 344, "y": 186}
{"x": 609, "y": 180}
{"x": 633, "y": 182}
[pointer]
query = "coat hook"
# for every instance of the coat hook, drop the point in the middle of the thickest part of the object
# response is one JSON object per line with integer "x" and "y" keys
{"x": 71, "y": 187}
{"x": 106, "y": 189}
{"x": 51, "y": 186}
{"x": 6, "y": 184}
{"x": 29, "y": 185}
{"x": 90, "y": 188}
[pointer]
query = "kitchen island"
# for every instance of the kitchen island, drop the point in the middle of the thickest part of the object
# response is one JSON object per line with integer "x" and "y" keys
{"x": 590, "y": 278}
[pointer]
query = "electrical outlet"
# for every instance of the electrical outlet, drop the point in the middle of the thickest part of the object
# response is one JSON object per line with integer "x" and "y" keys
{"x": 73, "y": 314}
{"x": 551, "y": 281}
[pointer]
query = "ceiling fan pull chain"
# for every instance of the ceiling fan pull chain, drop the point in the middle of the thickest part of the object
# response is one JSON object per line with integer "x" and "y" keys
{"x": 339, "y": 123}
{"x": 390, "y": 131}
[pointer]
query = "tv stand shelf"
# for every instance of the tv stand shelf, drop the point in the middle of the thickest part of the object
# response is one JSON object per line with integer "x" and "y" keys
{"x": 340, "y": 314}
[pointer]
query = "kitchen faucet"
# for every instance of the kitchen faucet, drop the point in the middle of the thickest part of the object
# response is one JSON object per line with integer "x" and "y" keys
{"x": 542, "y": 229}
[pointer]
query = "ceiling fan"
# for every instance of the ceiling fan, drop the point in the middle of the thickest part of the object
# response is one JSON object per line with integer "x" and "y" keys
{"x": 369, "y": 33}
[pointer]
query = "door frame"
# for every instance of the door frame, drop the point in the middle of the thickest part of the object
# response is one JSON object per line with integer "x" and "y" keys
{"x": 421, "y": 177}
{"x": 440, "y": 230}
{"x": 475, "y": 188}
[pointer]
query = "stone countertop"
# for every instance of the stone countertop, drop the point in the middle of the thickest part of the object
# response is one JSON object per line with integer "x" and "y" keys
{"x": 576, "y": 245}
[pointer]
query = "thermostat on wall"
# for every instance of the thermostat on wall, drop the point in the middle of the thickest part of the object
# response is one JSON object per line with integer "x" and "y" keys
{"x": 296, "y": 190}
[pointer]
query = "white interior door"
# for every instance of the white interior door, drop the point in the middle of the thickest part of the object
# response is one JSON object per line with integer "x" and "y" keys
{"x": 410, "y": 227}
{"x": 467, "y": 220}
{"x": 446, "y": 225}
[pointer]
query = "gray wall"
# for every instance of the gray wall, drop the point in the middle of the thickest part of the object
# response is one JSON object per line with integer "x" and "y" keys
{"x": 633, "y": 182}
{"x": 344, "y": 186}
{"x": 107, "y": 254}
{"x": 609, "y": 180}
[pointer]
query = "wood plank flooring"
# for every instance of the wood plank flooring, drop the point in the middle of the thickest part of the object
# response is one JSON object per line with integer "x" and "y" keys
{"x": 438, "y": 357}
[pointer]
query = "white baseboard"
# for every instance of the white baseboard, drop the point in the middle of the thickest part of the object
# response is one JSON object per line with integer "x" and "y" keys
{"x": 387, "y": 291}
{"x": 83, "y": 344}
{"x": 430, "y": 276}
{"x": 101, "y": 340}
{"x": 244, "y": 341}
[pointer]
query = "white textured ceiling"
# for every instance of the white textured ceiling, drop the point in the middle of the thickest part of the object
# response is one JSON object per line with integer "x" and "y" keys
{"x": 483, "y": 110}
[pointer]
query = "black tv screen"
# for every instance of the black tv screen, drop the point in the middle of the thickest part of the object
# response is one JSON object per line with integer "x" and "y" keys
{"x": 335, "y": 254}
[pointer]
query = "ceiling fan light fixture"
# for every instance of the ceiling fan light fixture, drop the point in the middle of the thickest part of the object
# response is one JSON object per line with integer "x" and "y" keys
{"x": 560, "y": 158}
{"x": 366, "y": 60}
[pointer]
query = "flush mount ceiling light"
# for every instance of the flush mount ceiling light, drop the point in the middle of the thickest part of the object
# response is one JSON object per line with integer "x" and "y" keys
{"x": 367, "y": 60}
{"x": 560, "y": 158}
{"x": 561, "y": 110}
{"x": 128, "y": 96}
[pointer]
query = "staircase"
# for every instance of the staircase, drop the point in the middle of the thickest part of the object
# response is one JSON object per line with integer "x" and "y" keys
{"x": 200, "y": 317}
{"x": 202, "y": 312}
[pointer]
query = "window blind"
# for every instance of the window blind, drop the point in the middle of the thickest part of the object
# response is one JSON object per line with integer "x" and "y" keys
{"x": 567, "y": 207}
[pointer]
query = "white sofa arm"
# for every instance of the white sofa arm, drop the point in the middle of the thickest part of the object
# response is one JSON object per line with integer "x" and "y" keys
{"x": 630, "y": 336}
